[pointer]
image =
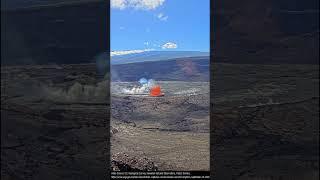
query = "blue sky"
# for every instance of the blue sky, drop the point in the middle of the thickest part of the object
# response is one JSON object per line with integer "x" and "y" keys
{"x": 180, "y": 25}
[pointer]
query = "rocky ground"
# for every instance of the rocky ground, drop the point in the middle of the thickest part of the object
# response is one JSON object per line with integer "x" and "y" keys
{"x": 53, "y": 122}
{"x": 265, "y": 124}
{"x": 172, "y": 130}
{"x": 265, "y": 121}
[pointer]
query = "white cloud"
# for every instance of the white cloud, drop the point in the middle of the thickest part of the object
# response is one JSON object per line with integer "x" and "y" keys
{"x": 136, "y": 4}
{"x": 118, "y": 53}
{"x": 146, "y": 43}
{"x": 169, "y": 45}
{"x": 162, "y": 17}
{"x": 118, "y": 4}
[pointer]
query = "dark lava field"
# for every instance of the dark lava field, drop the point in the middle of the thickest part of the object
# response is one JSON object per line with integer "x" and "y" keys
{"x": 172, "y": 130}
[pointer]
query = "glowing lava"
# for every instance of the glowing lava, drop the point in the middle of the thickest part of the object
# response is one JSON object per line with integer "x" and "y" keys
{"x": 155, "y": 91}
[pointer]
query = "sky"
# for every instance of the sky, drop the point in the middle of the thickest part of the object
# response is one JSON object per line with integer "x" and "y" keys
{"x": 160, "y": 25}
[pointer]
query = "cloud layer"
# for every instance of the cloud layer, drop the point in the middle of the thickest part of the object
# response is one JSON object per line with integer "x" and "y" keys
{"x": 118, "y": 53}
{"x": 136, "y": 4}
{"x": 169, "y": 45}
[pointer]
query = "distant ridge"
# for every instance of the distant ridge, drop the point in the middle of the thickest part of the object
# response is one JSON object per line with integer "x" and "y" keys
{"x": 173, "y": 69}
{"x": 155, "y": 56}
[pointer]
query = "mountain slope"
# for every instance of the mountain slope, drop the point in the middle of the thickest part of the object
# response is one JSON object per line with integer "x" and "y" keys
{"x": 179, "y": 69}
{"x": 155, "y": 56}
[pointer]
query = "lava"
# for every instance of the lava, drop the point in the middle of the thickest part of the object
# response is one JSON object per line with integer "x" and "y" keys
{"x": 155, "y": 91}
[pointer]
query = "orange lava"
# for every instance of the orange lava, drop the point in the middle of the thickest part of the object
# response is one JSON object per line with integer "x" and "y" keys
{"x": 156, "y": 91}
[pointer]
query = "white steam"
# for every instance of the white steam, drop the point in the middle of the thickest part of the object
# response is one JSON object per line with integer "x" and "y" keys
{"x": 137, "y": 89}
{"x": 143, "y": 87}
